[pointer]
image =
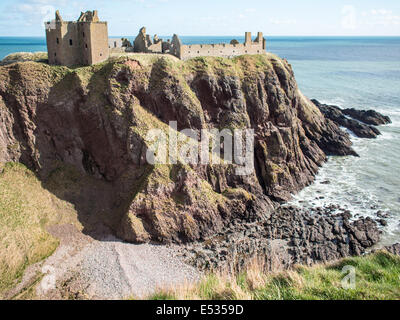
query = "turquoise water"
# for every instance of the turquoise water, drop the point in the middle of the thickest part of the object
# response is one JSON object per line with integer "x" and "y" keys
{"x": 359, "y": 72}
{"x": 21, "y": 44}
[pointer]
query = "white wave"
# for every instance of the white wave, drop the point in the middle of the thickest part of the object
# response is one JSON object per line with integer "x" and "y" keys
{"x": 346, "y": 190}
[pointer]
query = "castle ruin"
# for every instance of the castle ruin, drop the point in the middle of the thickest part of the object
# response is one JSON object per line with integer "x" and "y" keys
{"x": 144, "y": 44}
{"x": 81, "y": 42}
{"x": 86, "y": 42}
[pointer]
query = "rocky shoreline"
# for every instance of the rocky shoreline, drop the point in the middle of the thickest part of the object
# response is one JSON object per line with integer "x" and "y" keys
{"x": 289, "y": 236}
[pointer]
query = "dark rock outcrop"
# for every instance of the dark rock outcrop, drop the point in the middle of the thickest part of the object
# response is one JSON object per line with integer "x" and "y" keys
{"x": 289, "y": 236}
{"x": 362, "y": 124}
{"x": 336, "y": 115}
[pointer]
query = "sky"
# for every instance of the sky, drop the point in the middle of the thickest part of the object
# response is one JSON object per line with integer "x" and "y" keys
{"x": 212, "y": 17}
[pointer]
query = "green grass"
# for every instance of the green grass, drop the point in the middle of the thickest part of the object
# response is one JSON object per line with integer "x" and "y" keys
{"x": 26, "y": 210}
{"x": 24, "y": 56}
{"x": 377, "y": 277}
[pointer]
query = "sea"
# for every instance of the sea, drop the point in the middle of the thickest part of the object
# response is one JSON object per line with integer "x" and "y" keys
{"x": 350, "y": 72}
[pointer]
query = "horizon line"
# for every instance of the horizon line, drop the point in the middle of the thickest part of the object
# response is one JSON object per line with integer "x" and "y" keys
{"x": 310, "y": 36}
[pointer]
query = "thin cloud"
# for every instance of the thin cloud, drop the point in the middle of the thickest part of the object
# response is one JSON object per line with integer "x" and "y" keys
{"x": 283, "y": 21}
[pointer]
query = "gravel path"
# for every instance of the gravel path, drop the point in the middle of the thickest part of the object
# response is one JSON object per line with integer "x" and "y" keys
{"x": 115, "y": 269}
{"x": 110, "y": 269}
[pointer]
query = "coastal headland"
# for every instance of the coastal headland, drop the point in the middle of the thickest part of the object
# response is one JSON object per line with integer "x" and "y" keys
{"x": 77, "y": 137}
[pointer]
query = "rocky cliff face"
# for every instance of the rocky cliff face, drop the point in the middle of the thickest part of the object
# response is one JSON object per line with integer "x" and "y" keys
{"x": 83, "y": 132}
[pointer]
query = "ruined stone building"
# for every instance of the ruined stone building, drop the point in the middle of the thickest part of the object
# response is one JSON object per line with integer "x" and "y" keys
{"x": 144, "y": 44}
{"x": 81, "y": 42}
{"x": 114, "y": 43}
{"x": 119, "y": 45}
{"x": 223, "y": 50}
{"x": 86, "y": 42}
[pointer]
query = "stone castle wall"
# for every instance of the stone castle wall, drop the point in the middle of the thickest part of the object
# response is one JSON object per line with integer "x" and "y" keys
{"x": 98, "y": 45}
{"x": 62, "y": 44}
{"x": 221, "y": 50}
{"x": 115, "y": 43}
{"x": 144, "y": 44}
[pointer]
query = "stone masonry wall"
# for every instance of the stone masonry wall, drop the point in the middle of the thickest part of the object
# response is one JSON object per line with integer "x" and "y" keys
{"x": 63, "y": 44}
{"x": 98, "y": 42}
{"x": 220, "y": 50}
{"x": 225, "y": 50}
{"x": 115, "y": 43}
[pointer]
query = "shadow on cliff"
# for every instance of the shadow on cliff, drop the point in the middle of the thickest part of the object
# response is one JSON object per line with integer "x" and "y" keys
{"x": 83, "y": 161}
{"x": 99, "y": 204}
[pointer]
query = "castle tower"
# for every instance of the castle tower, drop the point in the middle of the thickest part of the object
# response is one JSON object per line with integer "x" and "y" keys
{"x": 261, "y": 40}
{"x": 248, "y": 40}
{"x": 81, "y": 42}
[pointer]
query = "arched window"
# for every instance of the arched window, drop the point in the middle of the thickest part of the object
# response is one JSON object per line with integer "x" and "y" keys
{"x": 70, "y": 42}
